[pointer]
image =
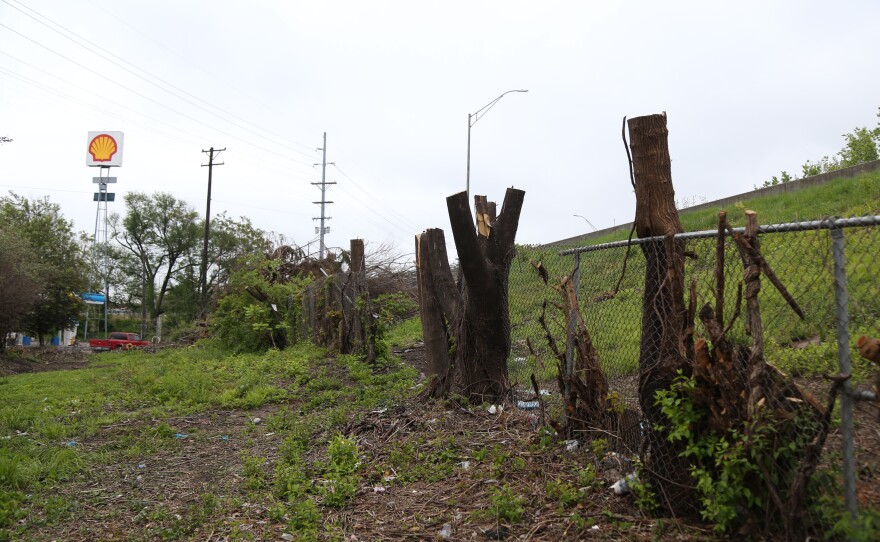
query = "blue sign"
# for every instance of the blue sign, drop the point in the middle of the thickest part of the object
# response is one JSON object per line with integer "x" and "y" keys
{"x": 93, "y": 298}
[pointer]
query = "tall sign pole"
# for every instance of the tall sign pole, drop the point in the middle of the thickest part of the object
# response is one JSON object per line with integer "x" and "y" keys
{"x": 104, "y": 151}
{"x": 323, "y": 203}
{"x": 203, "y": 278}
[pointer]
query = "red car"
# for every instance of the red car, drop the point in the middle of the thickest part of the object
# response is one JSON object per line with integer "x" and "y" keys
{"x": 118, "y": 341}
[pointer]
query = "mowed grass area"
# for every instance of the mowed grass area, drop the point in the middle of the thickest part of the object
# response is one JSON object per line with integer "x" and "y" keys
{"x": 802, "y": 261}
{"x": 71, "y": 441}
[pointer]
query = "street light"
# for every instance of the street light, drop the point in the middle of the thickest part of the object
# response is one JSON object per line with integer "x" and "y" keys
{"x": 587, "y": 221}
{"x": 472, "y": 119}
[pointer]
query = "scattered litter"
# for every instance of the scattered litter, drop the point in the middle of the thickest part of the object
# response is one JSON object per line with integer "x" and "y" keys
{"x": 269, "y": 434}
{"x": 142, "y": 465}
{"x": 433, "y": 420}
{"x": 446, "y": 531}
{"x": 287, "y": 536}
{"x": 139, "y": 478}
{"x": 622, "y": 486}
{"x": 519, "y": 360}
{"x": 257, "y": 420}
{"x": 378, "y": 489}
{"x": 528, "y": 405}
{"x": 545, "y": 392}
{"x": 571, "y": 445}
{"x": 493, "y": 409}
{"x": 180, "y": 435}
{"x": 380, "y": 411}
{"x": 594, "y": 528}
{"x": 614, "y": 460}
{"x": 466, "y": 465}
{"x": 71, "y": 443}
{"x": 224, "y": 437}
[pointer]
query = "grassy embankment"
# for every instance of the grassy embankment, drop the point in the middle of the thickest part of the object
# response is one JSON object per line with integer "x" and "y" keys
{"x": 802, "y": 261}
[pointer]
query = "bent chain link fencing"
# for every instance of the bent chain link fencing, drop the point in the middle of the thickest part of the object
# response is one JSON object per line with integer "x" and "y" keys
{"x": 830, "y": 267}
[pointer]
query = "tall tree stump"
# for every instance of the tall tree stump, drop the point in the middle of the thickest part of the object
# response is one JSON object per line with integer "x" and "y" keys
{"x": 473, "y": 313}
{"x": 664, "y": 341}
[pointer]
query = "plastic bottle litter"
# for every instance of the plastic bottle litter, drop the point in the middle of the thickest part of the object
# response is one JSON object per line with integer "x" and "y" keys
{"x": 528, "y": 405}
{"x": 257, "y": 420}
{"x": 180, "y": 435}
{"x": 446, "y": 531}
{"x": 622, "y": 486}
{"x": 71, "y": 443}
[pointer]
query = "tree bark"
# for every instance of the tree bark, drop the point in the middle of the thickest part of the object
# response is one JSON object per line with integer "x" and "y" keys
{"x": 663, "y": 345}
{"x": 437, "y": 291}
{"x": 482, "y": 335}
{"x": 474, "y": 312}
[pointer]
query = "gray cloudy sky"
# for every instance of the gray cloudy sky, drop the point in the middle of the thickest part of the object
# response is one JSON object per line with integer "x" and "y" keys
{"x": 749, "y": 87}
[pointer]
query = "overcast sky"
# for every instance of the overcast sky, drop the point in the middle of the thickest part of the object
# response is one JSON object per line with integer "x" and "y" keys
{"x": 749, "y": 87}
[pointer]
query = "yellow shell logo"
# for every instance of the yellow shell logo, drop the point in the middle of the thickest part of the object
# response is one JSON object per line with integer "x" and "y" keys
{"x": 102, "y": 148}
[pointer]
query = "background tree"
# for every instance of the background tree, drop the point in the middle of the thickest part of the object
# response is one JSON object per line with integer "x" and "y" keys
{"x": 20, "y": 280}
{"x": 55, "y": 248}
{"x": 159, "y": 230}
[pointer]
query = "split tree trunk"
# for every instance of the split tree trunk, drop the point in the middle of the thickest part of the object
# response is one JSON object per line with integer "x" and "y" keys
{"x": 474, "y": 313}
{"x": 663, "y": 348}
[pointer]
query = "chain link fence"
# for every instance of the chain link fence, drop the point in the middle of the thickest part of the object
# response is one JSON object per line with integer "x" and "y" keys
{"x": 829, "y": 267}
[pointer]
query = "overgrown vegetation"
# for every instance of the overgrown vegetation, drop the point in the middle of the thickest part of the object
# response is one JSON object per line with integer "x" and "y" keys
{"x": 860, "y": 146}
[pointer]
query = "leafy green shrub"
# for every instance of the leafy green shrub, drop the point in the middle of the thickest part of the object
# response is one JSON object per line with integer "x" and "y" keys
{"x": 729, "y": 468}
{"x": 244, "y": 324}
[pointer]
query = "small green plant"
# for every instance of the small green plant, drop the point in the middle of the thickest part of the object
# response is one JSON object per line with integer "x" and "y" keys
{"x": 342, "y": 462}
{"x": 586, "y": 476}
{"x": 505, "y": 504}
{"x": 564, "y": 492}
{"x": 599, "y": 447}
{"x": 480, "y": 455}
{"x": 252, "y": 469}
{"x": 581, "y": 522}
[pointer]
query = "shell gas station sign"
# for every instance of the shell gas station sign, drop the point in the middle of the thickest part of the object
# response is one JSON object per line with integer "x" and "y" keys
{"x": 104, "y": 149}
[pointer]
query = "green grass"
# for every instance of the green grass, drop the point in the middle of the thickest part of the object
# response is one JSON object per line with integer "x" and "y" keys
{"x": 46, "y": 420}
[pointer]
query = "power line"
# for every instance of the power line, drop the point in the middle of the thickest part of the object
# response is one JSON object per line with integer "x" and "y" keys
{"x": 50, "y": 91}
{"x": 160, "y": 104}
{"x": 259, "y": 134}
{"x": 201, "y": 69}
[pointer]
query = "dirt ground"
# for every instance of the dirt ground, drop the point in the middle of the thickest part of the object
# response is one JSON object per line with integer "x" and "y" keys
{"x": 153, "y": 496}
{"x": 33, "y": 359}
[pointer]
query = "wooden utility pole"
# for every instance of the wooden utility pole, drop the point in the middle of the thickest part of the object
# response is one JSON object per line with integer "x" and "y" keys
{"x": 203, "y": 277}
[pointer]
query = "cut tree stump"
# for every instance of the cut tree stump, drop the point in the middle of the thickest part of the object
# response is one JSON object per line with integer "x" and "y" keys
{"x": 663, "y": 347}
{"x": 473, "y": 313}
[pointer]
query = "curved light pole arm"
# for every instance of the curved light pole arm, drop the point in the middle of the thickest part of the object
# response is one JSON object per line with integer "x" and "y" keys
{"x": 472, "y": 119}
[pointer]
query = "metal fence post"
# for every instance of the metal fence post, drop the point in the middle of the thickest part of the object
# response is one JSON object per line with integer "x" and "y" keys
{"x": 843, "y": 358}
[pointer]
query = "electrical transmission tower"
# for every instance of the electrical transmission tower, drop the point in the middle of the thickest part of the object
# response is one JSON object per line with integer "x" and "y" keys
{"x": 323, "y": 203}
